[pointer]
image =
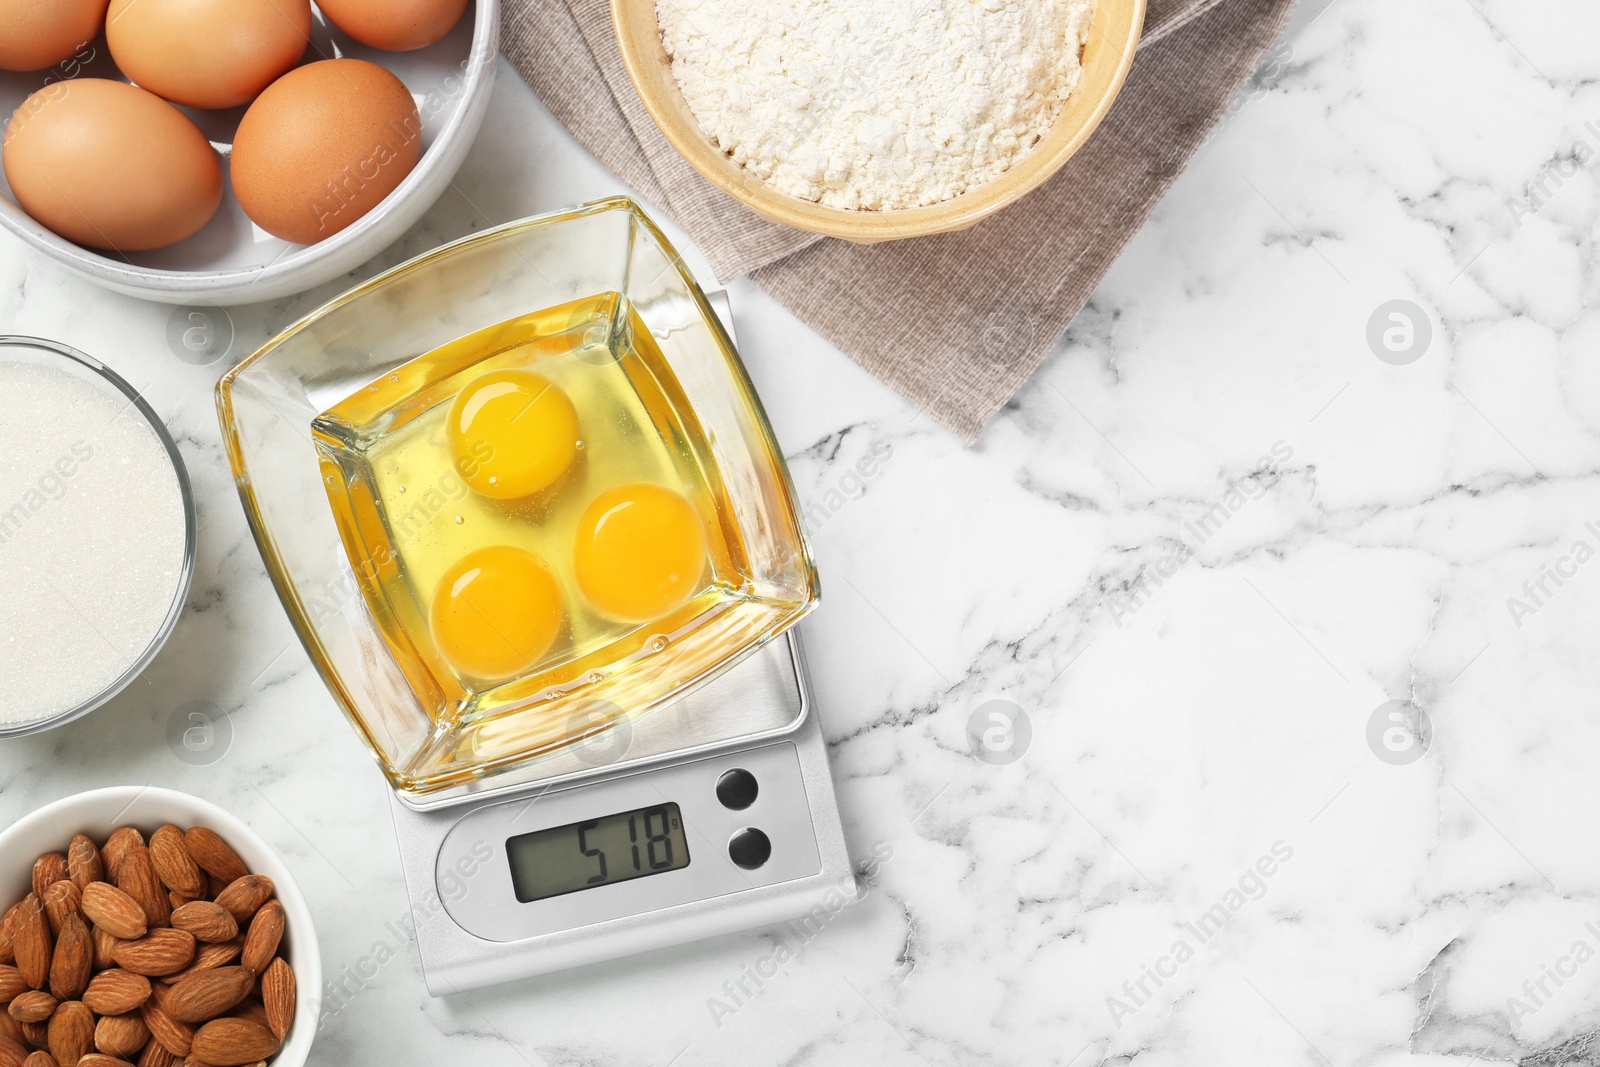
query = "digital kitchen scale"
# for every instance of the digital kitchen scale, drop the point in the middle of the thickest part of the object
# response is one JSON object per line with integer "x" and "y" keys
{"x": 689, "y": 835}
{"x": 713, "y": 814}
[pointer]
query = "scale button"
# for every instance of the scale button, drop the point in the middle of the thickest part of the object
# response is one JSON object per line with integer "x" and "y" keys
{"x": 737, "y": 789}
{"x": 749, "y": 848}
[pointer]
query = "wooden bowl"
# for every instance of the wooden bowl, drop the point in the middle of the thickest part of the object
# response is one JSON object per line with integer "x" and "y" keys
{"x": 1113, "y": 37}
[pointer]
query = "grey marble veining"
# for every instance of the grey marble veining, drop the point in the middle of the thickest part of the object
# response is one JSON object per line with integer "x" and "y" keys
{"x": 1226, "y": 533}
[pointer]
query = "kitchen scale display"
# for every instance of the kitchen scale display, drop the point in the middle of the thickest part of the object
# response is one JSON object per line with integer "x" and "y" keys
{"x": 565, "y": 859}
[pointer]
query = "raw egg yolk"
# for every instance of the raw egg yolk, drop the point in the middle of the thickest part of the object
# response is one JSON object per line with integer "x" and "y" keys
{"x": 495, "y": 613}
{"x": 640, "y": 552}
{"x": 511, "y": 433}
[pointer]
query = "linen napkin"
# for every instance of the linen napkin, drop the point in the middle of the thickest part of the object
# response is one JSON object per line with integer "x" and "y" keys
{"x": 975, "y": 312}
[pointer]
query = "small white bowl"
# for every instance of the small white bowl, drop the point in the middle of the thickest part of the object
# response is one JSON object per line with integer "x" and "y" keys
{"x": 233, "y": 261}
{"x": 100, "y": 811}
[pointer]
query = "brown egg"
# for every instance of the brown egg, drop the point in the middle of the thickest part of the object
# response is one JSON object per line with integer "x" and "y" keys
{"x": 35, "y": 34}
{"x": 322, "y": 146}
{"x": 398, "y": 25}
{"x": 109, "y": 165}
{"x": 207, "y": 53}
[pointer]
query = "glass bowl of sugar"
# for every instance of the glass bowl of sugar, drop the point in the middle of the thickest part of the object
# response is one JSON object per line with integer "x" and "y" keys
{"x": 97, "y": 534}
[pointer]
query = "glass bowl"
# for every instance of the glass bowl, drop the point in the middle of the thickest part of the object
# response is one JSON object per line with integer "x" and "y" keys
{"x": 268, "y": 404}
{"x": 37, "y": 351}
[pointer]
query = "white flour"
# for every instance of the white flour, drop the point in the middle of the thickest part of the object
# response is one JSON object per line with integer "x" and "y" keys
{"x": 875, "y": 103}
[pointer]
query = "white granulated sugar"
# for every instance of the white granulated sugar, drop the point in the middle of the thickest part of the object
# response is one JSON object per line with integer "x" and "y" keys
{"x": 875, "y": 104}
{"x": 91, "y": 539}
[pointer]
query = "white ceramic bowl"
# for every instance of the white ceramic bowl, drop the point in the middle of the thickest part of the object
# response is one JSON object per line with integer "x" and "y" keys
{"x": 100, "y": 811}
{"x": 233, "y": 261}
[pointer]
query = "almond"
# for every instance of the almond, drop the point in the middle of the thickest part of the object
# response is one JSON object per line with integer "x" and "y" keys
{"x": 60, "y": 900}
{"x": 278, "y": 994}
{"x": 172, "y": 1035}
{"x": 83, "y": 862}
{"x": 73, "y": 961}
{"x": 207, "y": 920}
{"x": 218, "y": 955}
{"x": 118, "y": 846}
{"x": 159, "y": 992}
{"x": 10, "y": 1028}
{"x": 212, "y": 854}
{"x": 8, "y": 933}
{"x": 71, "y": 1033}
{"x": 39, "y": 1059}
{"x": 204, "y": 995}
{"x": 244, "y": 895}
{"x": 34, "y": 1006}
{"x": 252, "y": 1010}
{"x": 112, "y": 910}
{"x": 100, "y": 1059}
{"x": 105, "y": 943}
{"x": 116, "y": 992}
{"x": 48, "y": 869}
{"x": 12, "y": 984}
{"x": 233, "y": 1042}
{"x": 209, "y": 957}
{"x": 121, "y": 1035}
{"x": 137, "y": 878}
{"x": 161, "y": 951}
{"x": 176, "y": 868}
{"x": 34, "y": 945}
{"x": 261, "y": 943}
{"x": 12, "y": 1054}
{"x": 36, "y": 1034}
{"x": 156, "y": 1055}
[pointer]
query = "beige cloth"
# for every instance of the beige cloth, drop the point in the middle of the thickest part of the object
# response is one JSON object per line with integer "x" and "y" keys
{"x": 955, "y": 322}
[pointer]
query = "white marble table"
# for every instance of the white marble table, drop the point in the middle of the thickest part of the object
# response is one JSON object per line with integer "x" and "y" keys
{"x": 1200, "y": 551}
